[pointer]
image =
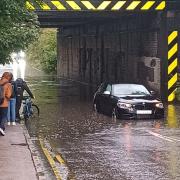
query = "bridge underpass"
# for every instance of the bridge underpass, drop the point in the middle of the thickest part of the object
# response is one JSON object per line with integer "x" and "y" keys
{"x": 123, "y": 46}
{"x": 125, "y": 49}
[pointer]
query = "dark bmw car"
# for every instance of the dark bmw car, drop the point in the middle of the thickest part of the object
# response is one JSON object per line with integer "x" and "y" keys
{"x": 127, "y": 101}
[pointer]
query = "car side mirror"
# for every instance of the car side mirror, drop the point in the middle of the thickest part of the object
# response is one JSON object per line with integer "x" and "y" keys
{"x": 107, "y": 92}
{"x": 153, "y": 93}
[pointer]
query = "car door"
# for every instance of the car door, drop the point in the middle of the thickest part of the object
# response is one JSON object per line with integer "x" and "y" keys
{"x": 106, "y": 99}
{"x": 99, "y": 97}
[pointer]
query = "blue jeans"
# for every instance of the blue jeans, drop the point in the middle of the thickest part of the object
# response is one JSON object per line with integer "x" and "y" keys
{"x": 3, "y": 116}
{"x": 11, "y": 116}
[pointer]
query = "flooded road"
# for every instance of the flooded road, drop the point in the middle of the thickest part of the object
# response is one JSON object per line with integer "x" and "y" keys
{"x": 94, "y": 146}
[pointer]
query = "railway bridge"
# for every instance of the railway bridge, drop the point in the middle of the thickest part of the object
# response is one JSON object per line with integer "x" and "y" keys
{"x": 116, "y": 40}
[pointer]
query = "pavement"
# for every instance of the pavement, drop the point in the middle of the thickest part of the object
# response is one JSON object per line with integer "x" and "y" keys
{"x": 16, "y": 162}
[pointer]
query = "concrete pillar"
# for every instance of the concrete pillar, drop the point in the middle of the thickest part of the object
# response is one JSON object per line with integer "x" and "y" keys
{"x": 162, "y": 51}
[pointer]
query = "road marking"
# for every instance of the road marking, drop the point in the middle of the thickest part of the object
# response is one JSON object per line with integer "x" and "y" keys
{"x": 162, "y": 137}
{"x": 60, "y": 159}
{"x": 174, "y": 139}
{"x": 50, "y": 160}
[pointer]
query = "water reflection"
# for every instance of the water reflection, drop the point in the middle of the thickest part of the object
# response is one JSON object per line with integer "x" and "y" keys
{"x": 128, "y": 137}
{"x": 172, "y": 119}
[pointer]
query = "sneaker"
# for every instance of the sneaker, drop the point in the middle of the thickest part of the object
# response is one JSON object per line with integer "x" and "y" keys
{"x": 8, "y": 123}
{"x": 2, "y": 132}
{"x": 13, "y": 123}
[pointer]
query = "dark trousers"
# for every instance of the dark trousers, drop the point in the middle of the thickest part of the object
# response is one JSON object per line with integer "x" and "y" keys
{"x": 3, "y": 117}
{"x": 18, "y": 106}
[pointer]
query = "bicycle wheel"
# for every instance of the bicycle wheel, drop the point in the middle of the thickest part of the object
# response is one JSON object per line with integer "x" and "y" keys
{"x": 25, "y": 113}
{"x": 35, "y": 111}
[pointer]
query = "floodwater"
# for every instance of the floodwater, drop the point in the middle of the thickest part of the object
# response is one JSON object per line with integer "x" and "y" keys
{"x": 95, "y": 146}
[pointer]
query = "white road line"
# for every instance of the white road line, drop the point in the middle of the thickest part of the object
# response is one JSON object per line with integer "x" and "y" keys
{"x": 162, "y": 137}
{"x": 174, "y": 139}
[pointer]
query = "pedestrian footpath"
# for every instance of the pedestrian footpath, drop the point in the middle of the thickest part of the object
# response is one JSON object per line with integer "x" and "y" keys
{"x": 15, "y": 158}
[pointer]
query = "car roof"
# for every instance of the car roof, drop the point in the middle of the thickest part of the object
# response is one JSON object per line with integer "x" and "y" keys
{"x": 123, "y": 83}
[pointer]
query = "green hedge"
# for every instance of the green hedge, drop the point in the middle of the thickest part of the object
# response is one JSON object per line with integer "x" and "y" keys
{"x": 43, "y": 52}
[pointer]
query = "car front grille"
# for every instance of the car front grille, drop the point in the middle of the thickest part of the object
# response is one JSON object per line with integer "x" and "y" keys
{"x": 146, "y": 106}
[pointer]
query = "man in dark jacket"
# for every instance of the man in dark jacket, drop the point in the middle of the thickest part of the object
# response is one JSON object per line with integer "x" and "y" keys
{"x": 20, "y": 87}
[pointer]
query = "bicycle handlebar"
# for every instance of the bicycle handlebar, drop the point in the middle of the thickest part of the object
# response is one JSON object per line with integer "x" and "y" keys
{"x": 26, "y": 97}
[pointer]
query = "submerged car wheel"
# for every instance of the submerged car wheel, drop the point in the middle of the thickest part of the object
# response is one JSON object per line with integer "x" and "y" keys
{"x": 114, "y": 114}
{"x": 96, "y": 107}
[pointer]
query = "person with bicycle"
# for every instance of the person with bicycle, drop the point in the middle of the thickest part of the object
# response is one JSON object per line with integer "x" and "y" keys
{"x": 21, "y": 85}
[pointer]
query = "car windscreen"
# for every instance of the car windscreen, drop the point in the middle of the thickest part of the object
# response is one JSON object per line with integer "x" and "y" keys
{"x": 129, "y": 90}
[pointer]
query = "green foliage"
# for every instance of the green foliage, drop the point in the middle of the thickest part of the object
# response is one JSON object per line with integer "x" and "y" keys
{"x": 18, "y": 28}
{"x": 43, "y": 53}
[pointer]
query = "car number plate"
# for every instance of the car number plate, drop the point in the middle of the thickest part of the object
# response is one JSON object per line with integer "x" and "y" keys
{"x": 144, "y": 112}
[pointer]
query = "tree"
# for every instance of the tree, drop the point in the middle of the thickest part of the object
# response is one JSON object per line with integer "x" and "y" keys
{"x": 43, "y": 52}
{"x": 18, "y": 28}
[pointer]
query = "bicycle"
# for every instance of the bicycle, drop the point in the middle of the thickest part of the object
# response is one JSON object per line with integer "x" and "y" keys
{"x": 30, "y": 110}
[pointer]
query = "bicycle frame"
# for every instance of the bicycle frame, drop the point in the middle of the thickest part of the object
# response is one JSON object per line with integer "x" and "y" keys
{"x": 30, "y": 110}
{"x": 27, "y": 108}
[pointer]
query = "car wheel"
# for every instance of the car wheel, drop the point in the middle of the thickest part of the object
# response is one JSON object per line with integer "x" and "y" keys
{"x": 114, "y": 114}
{"x": 96, "y": 107}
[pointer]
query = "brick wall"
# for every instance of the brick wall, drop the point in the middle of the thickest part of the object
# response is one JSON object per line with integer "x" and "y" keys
{"x": 109, "y": 50}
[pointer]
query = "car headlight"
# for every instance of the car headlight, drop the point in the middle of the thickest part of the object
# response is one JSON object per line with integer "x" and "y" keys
{"x": 159, "y": 105}
{"x": 124, "y": 105}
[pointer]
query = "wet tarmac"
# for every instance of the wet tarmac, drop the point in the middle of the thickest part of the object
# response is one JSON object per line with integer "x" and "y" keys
{"x": 95, "y": 146}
